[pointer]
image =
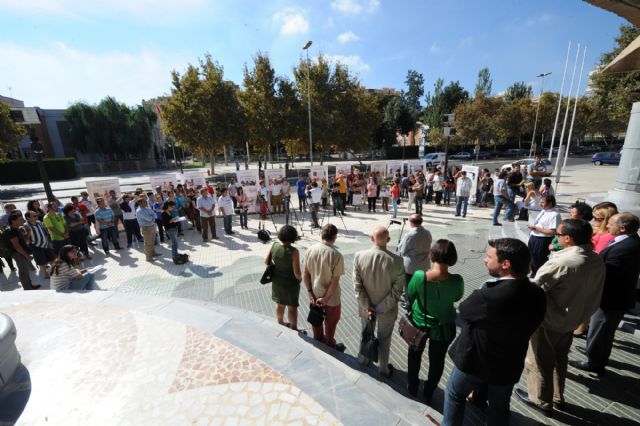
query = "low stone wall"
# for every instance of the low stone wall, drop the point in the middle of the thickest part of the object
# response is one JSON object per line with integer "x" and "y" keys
{"x": 9, "y": 356}
{"x": 104, "y": 167}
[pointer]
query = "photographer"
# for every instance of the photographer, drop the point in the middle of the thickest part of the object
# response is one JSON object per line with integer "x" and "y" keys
{"x": 314, "y": 194}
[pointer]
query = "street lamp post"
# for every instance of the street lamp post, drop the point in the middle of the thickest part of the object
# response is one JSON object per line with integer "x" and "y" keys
{"x": 306, "y": 47}
{"x": 38, "y": 151}
{"x": 535, "y": 123}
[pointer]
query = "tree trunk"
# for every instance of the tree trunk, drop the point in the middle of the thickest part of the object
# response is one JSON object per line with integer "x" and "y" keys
{"x": 322, "y": 157}
{"x": 520, "y": 142}
{"x": 212, "y": 158}
{"x": 226, "y": 159}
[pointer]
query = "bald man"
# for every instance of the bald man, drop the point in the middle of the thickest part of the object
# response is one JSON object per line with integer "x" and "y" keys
{"x": 378, "y": 277}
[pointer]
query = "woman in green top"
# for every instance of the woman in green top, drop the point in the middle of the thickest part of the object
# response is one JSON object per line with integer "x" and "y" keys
{"x": 442, "y": 290}
{"x": 285, "y": 287}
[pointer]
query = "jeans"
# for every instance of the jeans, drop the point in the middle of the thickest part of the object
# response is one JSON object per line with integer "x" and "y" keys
{"x": 447, "y": 196}
{"x": 337, "y": 204}
{"x": 461, "y": 205}
{"x": 437, "y": 354}
{"x": 160, "y": 229}
{"x": 501, "y": 200}
{"x": 172, "y": 233}
{"x": 87, "y": 282}
{"x": 106, "y": 234}
{"x": 315, "y": 207}
{"x": 326, "y": 332}
{"x": 243, "y": 218}
{"x": 24, "y": 270}
{"x": 418, "y": 201}
{"x": 371, "y": 201}
{"x": 302, "y": 202}
{"x": 394, "y": 203}
{"x": 227, "y": 220}
{"x": 132, "y": 228}
{"x": 459, "y": 386}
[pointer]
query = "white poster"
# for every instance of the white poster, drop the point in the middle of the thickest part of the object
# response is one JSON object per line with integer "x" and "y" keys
{"x": 415, "y": 166}
{"x": 100, "y": 188}
{"x": 193, "y": 179}
{"x": 248, "y": 180}
{"x": 379, "y": 167}
{"x": 472, "y": 173}
{"x": 394, "y": 166}
{"x": 167, "y": 181}
{"x": 345, "y": 169}
{"x": 317, "y": 173}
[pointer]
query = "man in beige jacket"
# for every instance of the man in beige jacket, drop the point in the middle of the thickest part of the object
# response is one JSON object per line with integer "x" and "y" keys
{"x": 378, "y": 277}
{"x": 573, "y": 279}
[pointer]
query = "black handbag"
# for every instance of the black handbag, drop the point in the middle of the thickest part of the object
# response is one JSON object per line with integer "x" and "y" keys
{"x": 369, "y": 342}
{"x": 267, "y": 275}
{"x": 412, "y": 335}
{"x": 316, "y": 315}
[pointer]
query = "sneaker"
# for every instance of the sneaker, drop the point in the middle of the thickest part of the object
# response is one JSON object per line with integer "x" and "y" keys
{"x": 497, "y": 224}
{"x": 340, "y": 347}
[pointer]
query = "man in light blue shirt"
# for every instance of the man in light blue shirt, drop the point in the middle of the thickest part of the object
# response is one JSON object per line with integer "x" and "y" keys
{"x": 147, "y": 221}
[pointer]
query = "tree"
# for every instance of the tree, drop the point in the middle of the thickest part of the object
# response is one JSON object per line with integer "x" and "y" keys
{"x": 514, "y": 119}
{"x": 415, "y": 90}
{"x": 453, "y": 95}
{"x": 203, "y": 113}
{"x": 435, "y": 106}
{"x": 259, "y": 101}
{"x": 476, "y": 120}
{"x": 10, "y": 132}
{"x": 615, "y": 93}
{"x": 483, "y": 86}
{"x": 291, "y": 124}
{"x": 518, "y": 90}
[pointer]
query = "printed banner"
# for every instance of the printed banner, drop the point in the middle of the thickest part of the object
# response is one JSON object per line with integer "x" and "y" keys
{"x": 167, "y": 181}
{"x": 317, "y": 173}
{"x": 248, "y": 180}
{"x": 472, "y": 173}
{"x": 345, "y": 169}
{"x": 393, "y": 167}
{"x": 193, "y": 179}
{"x": 101, "y": 187}
{"x": 379, "y": 167}
{"x": 415, "y": 166}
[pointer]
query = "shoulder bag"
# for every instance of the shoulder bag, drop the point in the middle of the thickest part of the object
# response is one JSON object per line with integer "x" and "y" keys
{"x": 267, "y": 275}
{"x": 412, "y": 335}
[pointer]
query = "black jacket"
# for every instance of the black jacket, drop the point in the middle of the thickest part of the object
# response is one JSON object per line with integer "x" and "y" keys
{"x": 622, "y": 263}
{"x": 498, "y": 320}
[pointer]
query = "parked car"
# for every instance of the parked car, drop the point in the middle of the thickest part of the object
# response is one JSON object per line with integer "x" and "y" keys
{"x": 608, "y": 157}
{"x": 434, "y": 158}
{"x": 461, "y": 156}
{"x": 481, "y": 155}
{"x": 515, "y": 153}
{"x": 524, "y": 164}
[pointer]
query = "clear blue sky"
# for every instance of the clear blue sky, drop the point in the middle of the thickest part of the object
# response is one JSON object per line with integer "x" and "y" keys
{"x": 55, "y": 52}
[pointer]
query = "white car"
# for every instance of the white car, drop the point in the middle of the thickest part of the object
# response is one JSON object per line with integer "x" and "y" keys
{"x": 527, "y": 161}
{"x": 434, "y": 158}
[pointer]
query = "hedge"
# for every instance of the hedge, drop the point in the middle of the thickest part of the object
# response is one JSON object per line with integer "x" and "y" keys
{"x": 25, "y": 171}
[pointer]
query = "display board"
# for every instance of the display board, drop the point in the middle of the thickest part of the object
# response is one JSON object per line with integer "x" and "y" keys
{"x": 101, "y": 187}
{"x": 167, "y": 182}
{"x": 248, "y": 180}
{"x": 472, "y": 173}
{"x": 414, "y": 166}
{"x": 393, "y": 167}
{"x": 193, "y": 179}
{"x": 317, "y": 173}
{"x": 379, "y": 167}
{"x": 345, "y": 169}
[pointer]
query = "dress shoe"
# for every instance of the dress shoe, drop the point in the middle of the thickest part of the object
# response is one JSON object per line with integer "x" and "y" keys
{"x": 582, "y": 350}
{"x": 560, "y": 406}
{"x": 524, "y": 397}
{"x": 586, "y": 366}
{"x": 390, "y": 370}
{"x": 340, "y": 347}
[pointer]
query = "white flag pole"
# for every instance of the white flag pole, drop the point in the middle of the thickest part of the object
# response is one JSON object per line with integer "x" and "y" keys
{"x": 566, "y": 117}
{"x": 555, "y": 125}
{"x": 575, "y": 107}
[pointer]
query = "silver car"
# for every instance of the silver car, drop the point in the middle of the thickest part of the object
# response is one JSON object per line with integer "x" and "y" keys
{"x": 527, "y": 161}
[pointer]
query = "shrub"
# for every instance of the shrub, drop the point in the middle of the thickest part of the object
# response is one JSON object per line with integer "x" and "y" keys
{"x": 25, "y": 171}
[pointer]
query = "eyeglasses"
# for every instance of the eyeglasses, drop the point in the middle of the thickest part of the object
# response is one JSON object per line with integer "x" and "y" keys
{"x": 598, "y": 219}
{"x": 558, "y": 234}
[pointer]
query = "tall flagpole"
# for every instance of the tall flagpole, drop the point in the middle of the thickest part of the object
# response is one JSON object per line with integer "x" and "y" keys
{"x": 575, "y": 107}
{"x": 555, "y": 126}
{"x": 566, "y": 115}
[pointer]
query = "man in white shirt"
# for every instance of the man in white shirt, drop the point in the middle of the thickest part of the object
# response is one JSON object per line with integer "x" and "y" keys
{"x": 543, "y": 230}
{"x": 463, "y": 191}
{"x": 225, "y": 204}
{"x": 206, "y": 206}
{"x": 316, "y": 197}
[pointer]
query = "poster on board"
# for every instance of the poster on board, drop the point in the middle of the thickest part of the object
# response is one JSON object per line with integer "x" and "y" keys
{"x": 415, "y": 166}
{"x": 379, "y": 167}
{"x": 248, "y": 180}
{"x": 101, "y": 187}
{"x": 317, "y": 173}
{"x": 472, "y": 173}
{"x": 167, "y": 182}
{"x": 393, "y": 167}
{"x": 193, "y": 179}
{"x": 345, "y": 169}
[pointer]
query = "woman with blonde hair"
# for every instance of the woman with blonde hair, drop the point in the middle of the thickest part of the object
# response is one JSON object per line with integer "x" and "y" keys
{"x": 601, "y": 214}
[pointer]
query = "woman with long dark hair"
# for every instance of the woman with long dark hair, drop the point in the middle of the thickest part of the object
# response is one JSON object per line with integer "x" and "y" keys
{"x": 65, "y": 274}
{"x": 77, "y": 231}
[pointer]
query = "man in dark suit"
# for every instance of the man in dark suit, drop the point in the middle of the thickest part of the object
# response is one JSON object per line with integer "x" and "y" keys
{"x": 498, "y": 321}
{"x": 622, "y": 262}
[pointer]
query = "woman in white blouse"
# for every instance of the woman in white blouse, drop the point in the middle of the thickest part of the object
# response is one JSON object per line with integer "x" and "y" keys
{"x": 66, "y": 276}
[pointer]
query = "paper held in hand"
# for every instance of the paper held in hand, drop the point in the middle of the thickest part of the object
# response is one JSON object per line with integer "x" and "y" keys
{"x": 95, "y": 269}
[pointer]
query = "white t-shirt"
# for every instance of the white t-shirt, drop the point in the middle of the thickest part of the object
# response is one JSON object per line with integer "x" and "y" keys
{"x": 277, "y": 189}
{"x": 316, "y": 195}
{"x": 499, "y": 186}
{"x": 226, "y": 204}
{"x": 132, "y": 214}
{"x": 547, "y": 219}
{"x": 206, "y": 203}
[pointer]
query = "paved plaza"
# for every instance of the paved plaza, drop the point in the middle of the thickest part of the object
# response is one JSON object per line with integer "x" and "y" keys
{"x": 225, "y": 272}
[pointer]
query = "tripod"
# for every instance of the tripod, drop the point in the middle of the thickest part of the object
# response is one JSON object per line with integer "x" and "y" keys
{"x": 286, "y": 206}
{"x": 404, "y": 221}
{"x": 326, "y": 215}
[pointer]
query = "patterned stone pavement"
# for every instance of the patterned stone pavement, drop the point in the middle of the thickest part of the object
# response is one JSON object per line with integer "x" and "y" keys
{"x": 227, "y": 272}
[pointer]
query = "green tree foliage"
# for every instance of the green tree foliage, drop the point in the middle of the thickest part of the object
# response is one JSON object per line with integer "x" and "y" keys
{"x": 10, "y": 132}
{"x": 476, "y": 120}
{"x": 514, "y": 119}
{"x": 484, "y": 84}
{"x": 615, "y": 93}
{"x": 111, "y": 128}
{"x": 291, "y": 119}
{"x": 518, "y": 90}
{"x": 453, "y": 95}
{"x": 435, "y": 106}
{"x": 415, "y": 90}
{"x": 203, "y": 113}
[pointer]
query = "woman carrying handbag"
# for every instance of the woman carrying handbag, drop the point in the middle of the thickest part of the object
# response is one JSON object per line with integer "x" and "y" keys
{"x": 442, "y": 290}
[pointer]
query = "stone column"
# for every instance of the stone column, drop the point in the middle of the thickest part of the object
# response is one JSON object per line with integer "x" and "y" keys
{"x": 626, "y": 192}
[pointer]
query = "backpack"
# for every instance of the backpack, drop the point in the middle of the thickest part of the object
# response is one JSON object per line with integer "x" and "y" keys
{"x": 5, "y": 244}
